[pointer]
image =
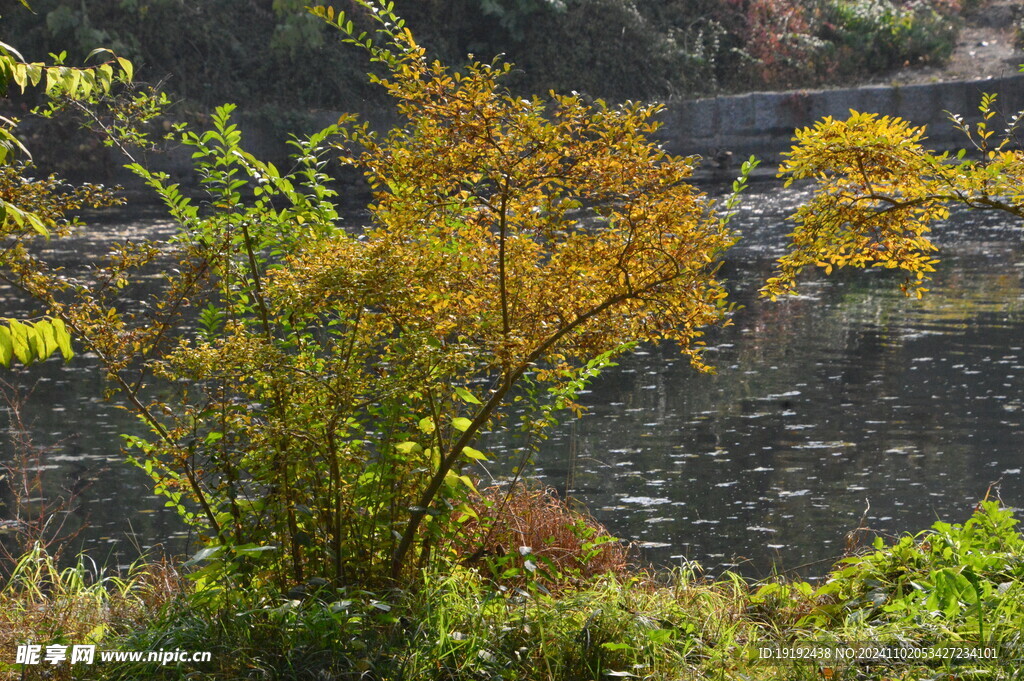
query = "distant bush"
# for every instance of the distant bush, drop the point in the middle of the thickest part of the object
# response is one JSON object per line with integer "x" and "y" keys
{"x": 208, "y": 52}
{"x": 616, "y": 49}
{"x": 878, "y": 35}
{"x": 780, "y": 44}
{"x": 790, "y": 43}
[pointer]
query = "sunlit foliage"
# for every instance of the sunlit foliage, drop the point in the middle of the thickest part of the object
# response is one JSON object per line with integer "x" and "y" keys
{"x": 879, "y": 190}
{"x": 31, "y": 208}
{"x": 530, "y": 233}
{"x": 331, "y": 381}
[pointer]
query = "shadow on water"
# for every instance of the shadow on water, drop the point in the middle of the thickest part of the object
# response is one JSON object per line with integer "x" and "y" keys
{"x": 847, "y": 401}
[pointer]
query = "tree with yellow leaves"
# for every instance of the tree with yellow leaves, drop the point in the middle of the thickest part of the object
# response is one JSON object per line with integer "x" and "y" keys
{"x": 532, "y": 236}
{"x": 878, "y": 191}
{"x": 331, "y": 390}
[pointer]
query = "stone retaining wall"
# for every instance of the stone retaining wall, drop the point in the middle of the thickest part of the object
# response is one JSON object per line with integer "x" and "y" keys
{"x": 762, "y": 123}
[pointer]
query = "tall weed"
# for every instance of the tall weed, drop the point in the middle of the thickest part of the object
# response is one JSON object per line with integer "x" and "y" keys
{"x": 45, "y": 604}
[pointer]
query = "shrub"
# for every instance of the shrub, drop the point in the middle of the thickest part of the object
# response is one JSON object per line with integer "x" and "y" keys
{"x": 779, "y": 38}
{"x": 620, "y": 49}
{"x": 522, "y": 531}
{"x": 966, "y": 574}
{"x": 329, "y": 382}
{"x": 877, "y": 35}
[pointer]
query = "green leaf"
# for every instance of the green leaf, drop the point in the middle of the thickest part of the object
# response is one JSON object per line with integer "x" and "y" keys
{"x": 467, "y": 512}
{"x": 950, "y": 589}
{"x": 461, "y": 423}
{"x": 474, "y": 454}
{"x": 47, "y": 338}
{"x": 257, "y": 549}
{"x": 453, "y": 480}
{"x": 204, "y": 554}
{"x": 660, "y": 636}
{"x": 37, "y": 341}
{"x": 616, "y": 646}
{"x": 427, "y": 426}
{"x": 34, "y": 72}
{"x": 63, "y": 338}
{"x": 467, "y": 396}
{"x": 6, "y": 346}
{"x": 126, "y": 66}
{"x": 52, "y": 81}
{"x": 20, "y": 340}
{"x": 4, "y": 47}
{"x": 98, "y": 50}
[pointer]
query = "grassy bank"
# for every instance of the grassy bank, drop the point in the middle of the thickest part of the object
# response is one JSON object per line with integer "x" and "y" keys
{"x": 926, "y": 602}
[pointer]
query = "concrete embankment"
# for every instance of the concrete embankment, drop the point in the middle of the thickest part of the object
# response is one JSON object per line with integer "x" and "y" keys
{"x": 762, "y": 123}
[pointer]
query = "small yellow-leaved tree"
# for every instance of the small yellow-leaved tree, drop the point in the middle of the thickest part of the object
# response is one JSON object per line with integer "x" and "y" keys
{"x": 528, "y": 235}
{"x": 879, "y": 189}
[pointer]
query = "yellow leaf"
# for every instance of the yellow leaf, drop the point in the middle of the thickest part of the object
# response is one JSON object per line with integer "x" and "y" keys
{"x": 126, "y": 66}
{"x": 474, "y": 454}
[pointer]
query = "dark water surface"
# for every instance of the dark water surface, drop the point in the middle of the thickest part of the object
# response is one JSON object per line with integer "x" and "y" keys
{"x": 848, "y": 401}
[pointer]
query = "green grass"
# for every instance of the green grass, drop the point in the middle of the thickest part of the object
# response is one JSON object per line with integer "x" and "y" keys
{"x": 42, "y": 603}
{"x": 952, "y": 585}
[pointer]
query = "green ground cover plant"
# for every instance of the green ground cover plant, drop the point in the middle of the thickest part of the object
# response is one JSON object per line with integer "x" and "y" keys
{"x": 954, "y": 586}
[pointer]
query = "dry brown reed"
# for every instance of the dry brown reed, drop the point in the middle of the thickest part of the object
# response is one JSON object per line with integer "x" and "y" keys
{"x": 520, "y": 529}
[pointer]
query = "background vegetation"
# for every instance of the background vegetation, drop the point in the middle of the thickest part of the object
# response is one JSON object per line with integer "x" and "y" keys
{"x": 952, "y": 587}
{"x": 250, "y": 52}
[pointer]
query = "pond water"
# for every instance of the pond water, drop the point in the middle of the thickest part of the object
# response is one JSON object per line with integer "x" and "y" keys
{"x": 847, "y": 405}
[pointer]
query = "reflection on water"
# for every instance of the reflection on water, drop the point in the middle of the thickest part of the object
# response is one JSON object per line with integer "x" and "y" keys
{"x": 848, "y": 401}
